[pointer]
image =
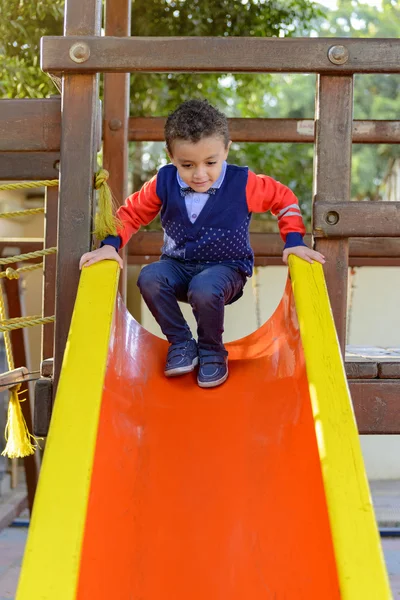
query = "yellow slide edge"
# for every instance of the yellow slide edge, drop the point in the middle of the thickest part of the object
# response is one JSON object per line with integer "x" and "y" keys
{"x": 51, "y": 572}
{"x": 360, "y": 563}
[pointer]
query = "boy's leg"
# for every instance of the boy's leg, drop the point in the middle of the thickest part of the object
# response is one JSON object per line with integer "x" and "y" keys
{"x": 208, "y": 293}
{"x": 160, "y": 284}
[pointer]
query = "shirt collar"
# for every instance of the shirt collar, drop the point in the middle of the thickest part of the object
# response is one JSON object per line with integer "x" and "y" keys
{"x": 217, "y": 184}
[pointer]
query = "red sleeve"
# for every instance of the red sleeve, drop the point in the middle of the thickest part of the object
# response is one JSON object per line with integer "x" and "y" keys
{"x": 265, "y": 194}
{"x": 139, "y": 209}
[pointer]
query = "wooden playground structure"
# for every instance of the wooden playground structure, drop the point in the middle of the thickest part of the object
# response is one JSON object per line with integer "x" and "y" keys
{"x": 60, "y": 137}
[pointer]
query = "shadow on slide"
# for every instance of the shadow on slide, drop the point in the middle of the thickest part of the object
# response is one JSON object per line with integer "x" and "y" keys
{"x": 155, "y": 489}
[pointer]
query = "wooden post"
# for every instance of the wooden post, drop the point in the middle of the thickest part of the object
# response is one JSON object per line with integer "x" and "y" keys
{"x": 78, "y": 165}
{"x": 116, "y": 115}
{"x": 332, "y": 179}
{"x": 31, "y": 463}
{"x": 49, "y": 270}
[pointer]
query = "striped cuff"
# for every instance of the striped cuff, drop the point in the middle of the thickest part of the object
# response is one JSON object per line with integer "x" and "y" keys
{"x": 294, "y": 239}
{"x": 114, "y": 241}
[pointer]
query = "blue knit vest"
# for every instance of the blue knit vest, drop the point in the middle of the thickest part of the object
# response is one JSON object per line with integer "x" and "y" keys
{"x": 220, "y": 234}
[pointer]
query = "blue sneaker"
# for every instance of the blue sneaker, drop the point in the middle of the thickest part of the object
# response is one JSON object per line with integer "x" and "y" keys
{"x": 181, "y": 358}
{"x": 213, "y": 369}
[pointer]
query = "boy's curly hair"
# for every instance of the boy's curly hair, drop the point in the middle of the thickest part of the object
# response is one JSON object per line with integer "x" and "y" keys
{"x": 194, "y": 120}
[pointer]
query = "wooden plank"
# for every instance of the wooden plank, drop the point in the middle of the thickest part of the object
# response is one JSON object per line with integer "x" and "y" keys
{"x": 116, "y": 116}
{"x": 35, "y": 125}
{"x": 389, "y": 369}
{"x": 78, "y": 160}
{"x": 221, "y": 54}
{"x": 332, "y": 177}
{"x": 14, "y": 309}
{"x": 376, "y": 405}
{"x": 361, "y": 369}
{"x": 356, "y": 219}
{"x": 49, "y": 271}
{"x": 267, "y": 247}
{"x": 29, "y": 166}
{"x": 151, "y": 129}
{"x": 270, "y": 245}
{"x": 14, "y": 246}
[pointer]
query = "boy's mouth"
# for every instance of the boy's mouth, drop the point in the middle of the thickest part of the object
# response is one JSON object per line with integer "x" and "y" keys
{"x": 200, "y": 184}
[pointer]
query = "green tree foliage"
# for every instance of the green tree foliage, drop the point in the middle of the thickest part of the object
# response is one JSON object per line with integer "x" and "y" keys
{"x": 22, "y": 24}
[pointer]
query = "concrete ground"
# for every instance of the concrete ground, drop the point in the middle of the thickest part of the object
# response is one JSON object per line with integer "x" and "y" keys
{"x": 386, "y": 497}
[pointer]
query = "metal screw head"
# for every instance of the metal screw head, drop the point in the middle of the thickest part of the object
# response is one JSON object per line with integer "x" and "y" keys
{"x": 338, "y": 55}
{"x": 79, "y": 52}
{"x": 332, "y": 217}
{"x": 115, "y": 124}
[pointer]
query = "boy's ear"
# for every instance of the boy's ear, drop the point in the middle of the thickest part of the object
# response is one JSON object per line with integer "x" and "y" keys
{"x": 227, "y": 148}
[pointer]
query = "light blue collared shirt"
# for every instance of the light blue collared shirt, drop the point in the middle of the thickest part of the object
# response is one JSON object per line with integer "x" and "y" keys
{"x": 196, "y": 201}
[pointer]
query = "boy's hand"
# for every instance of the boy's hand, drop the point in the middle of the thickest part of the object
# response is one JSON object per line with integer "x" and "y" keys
{"x": 305, "y": 253}
{"x": 104, "y": 253}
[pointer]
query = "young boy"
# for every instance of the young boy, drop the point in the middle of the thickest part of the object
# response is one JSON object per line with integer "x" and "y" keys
{"x": 206, "y": 206}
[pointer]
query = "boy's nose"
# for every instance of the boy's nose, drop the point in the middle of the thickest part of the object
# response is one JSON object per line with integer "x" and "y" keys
{"x": 200, "y": 174}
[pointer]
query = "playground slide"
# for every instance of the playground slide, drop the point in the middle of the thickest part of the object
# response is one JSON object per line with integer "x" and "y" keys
{"x": 155, "y": 489}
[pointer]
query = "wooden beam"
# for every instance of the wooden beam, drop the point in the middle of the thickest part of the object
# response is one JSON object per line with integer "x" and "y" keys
{"x": 221, "y": 54}
{"x": 49, "y": 271}
{"x": 30, "y": 125}
{"x": 28, "y": 166}
{"x": 332, "y": 178}
{"x": 36, "y": 127}
{"x": 356, "y": 219}
{"x": 363, "y": 251}
{"x": 78, "y": 158}
{"x": 376, "y": 405}
{"x": 151, "y": 129}
{"x": 116, "y": 116}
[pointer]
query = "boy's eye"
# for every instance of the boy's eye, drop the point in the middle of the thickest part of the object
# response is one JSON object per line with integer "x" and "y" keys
{"x": 212, "y": 163}
{"x": 186, "y": 166}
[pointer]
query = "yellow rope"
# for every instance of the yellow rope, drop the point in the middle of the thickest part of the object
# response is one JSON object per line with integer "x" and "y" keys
{"x": 7, "y": 339}
{"x": 21, "y": 322}
{"x": 26, "y": 185}
{"x": 21, "y": 213}
{"x": 15, "y": 273}
{"x": 105, "y": 223}
{"x": 19, "y": 442}
{"x": 20, "y": 257}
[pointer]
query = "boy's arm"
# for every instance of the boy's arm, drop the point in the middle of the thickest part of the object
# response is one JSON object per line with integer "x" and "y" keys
{"x": 139, "y": 209}
{"x": 266, "y": 194}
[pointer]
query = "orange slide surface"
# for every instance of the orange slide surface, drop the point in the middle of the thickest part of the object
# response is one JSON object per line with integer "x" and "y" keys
{"x": 212, "y": 494}
{"x": 199, "y": 494}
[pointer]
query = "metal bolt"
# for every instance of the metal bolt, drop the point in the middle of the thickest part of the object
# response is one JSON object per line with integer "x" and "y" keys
{"x": 338, "y": 55}
{"x": 115, "y": 124}
{"x": 79, "y": 52}
{"x": 332, "y": 217}
{"x": 57, "y": 165}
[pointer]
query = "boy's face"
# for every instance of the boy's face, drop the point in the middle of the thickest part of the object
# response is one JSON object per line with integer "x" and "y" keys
{"x": 199, "y": 164}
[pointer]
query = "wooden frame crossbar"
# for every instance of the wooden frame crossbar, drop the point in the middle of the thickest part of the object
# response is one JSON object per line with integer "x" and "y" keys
{"x": 36, "y": 127}
{"x": 89, "y": 54}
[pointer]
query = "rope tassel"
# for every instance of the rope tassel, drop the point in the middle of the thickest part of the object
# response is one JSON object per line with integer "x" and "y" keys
{"x": 20, "y": 442}
{"x": 106, "y": 223}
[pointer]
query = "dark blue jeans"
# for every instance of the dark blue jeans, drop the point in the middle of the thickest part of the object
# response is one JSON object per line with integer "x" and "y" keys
{"x": 206, "y": 288}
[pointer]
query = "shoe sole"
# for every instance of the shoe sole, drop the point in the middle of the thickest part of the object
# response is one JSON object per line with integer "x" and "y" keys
{"x": 210, "y": 384}
{"x": 182, "y": 370}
